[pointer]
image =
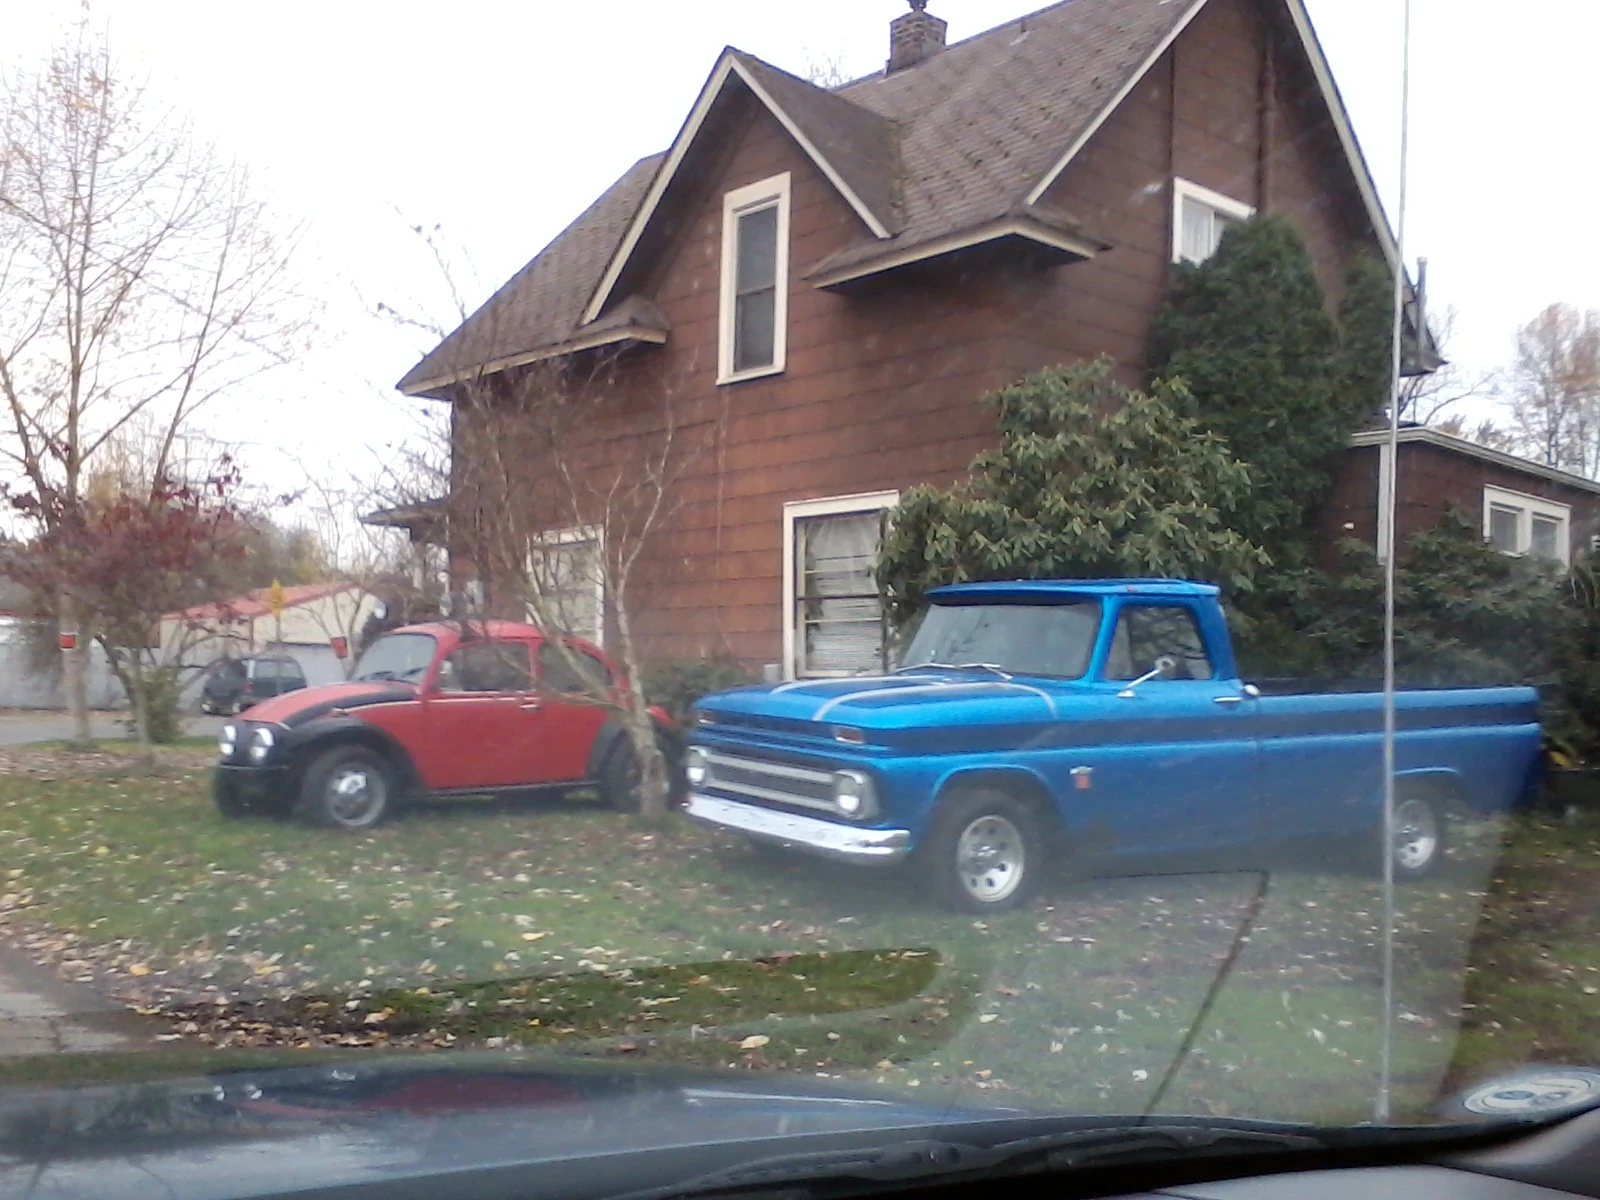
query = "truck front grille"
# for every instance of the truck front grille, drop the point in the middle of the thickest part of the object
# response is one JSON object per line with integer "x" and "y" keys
{"x": 780, "y": 783}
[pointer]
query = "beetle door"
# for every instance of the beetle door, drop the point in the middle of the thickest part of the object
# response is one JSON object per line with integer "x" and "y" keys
{"x": 482, "y": 721}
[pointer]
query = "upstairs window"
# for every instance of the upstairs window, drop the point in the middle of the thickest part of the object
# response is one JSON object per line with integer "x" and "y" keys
{"x": 1515, "y": 523}
{"x": 755, "y": 280}
{"x": 1200, "y": 217}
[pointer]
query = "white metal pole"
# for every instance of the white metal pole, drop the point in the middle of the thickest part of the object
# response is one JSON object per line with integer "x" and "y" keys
{"x": 1384, "y": 1103}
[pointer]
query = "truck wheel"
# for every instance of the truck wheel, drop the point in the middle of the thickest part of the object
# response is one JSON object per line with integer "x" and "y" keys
{"x": 348, "y": 787}
{"x": 983, "y": 852}
{"x": 1419, "y": 835}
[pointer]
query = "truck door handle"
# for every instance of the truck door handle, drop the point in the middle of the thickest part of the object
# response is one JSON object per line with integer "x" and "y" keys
{"x": 1228, "y": 701}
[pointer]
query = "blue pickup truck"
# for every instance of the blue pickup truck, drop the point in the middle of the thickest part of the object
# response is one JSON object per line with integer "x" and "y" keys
{"x": 1086, "y": 721}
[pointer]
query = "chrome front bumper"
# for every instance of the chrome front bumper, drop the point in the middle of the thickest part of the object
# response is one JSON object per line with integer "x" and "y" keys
{"x": 827, "y": 838}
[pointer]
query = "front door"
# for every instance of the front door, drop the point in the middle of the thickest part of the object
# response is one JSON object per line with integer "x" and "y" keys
{"x": 482, "y": 719}
{"x": 1177, "y": 770}
{"x": 579, "y": 692}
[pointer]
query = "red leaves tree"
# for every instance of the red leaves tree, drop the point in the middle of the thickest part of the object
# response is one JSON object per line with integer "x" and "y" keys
{"x": 131, "y": 558}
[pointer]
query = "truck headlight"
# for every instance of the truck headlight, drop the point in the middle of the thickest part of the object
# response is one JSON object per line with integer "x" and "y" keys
{"x": 855, "y": 795}
{"x": 227, "y": 740}
{"x": 261, "y": 745}
{"x": 696, "y": 766}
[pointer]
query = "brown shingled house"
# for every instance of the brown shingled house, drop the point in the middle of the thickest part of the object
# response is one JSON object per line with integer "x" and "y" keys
{"x": 831, "y": 278}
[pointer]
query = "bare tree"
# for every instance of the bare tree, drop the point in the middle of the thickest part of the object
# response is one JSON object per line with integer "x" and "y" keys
{"x": 139, "y": 280}
{"x": 1429, "y": 399}
{"x": 1554, "y": 400}
{"x": 557, "y": 480}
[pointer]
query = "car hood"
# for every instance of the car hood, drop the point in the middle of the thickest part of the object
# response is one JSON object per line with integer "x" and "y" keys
{"x": 583, "y": 1127}
{"x": 298, "y": 707}
{"x": 899, "y": 701}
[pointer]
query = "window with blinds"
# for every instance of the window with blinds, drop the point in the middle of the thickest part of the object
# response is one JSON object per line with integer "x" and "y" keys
{"x": 839, "y": 619}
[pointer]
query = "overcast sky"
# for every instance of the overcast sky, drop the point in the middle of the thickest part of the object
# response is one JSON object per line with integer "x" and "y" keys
{"x": 501, "y": 119}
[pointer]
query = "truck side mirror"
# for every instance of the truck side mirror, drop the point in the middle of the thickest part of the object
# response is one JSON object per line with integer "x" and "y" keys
{"x": 1166, "y": 667}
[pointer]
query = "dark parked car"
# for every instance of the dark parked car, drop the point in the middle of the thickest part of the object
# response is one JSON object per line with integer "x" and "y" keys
{"x": 234, "y": 684}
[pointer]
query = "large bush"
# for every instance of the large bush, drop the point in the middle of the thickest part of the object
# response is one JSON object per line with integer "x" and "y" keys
{"x": 1250, "y": 335}
{"x": 1090, "y": 479}
{"x": 675, "y": 686}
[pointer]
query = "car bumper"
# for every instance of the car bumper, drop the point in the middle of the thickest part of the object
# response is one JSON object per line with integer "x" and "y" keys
{"x": 830, "y": 839}
{"x": 252, "y": 781}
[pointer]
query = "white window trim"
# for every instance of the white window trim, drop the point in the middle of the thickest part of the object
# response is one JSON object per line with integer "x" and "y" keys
{"x": 793, "y": 513}
{"x": 576, "y": 535}
{"x": 1529, "y": 507}
{"x": 1183, "y": 189}
{"x": 735, "y": 204}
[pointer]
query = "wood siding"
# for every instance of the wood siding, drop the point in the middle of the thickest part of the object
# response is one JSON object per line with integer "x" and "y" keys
{"x": 1430, "y": 482}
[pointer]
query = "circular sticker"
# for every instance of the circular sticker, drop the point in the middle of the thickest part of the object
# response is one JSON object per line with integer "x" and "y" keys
{"x": 1534, "y": 1095}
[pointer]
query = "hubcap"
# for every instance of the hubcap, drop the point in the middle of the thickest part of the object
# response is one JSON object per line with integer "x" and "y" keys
{"x": 990, "y": 859}
{"x": 355, "y": 795}
{"x": 1416, "y": 834}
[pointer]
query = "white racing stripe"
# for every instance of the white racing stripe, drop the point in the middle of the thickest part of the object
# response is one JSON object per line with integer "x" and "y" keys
{"x": 944, "y": 686}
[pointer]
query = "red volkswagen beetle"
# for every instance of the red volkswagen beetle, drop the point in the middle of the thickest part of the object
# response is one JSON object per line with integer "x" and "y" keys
{"x": 438, "y": 710}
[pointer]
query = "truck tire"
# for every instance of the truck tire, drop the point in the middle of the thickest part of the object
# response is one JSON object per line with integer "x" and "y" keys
{"x": 1419, "y": 834}
{"x": 347, "y": 787}
{"x": 983, "y": 851}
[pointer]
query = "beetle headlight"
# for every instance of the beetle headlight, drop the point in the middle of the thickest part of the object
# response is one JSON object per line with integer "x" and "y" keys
{"x": 697, "y": 766}
{"x": 227, "y": 740}
{"x": 261, "y": 744}
{"x": 855, "y": 795}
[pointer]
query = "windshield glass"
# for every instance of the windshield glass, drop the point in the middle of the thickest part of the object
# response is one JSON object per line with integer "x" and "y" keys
{"x": 397, "y": 656}
{"x": 981, "y": 557}
{"x": 1021, "y": 639}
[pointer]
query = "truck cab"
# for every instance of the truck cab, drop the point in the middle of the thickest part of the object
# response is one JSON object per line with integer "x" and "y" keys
{"x": 1031, "y": 721}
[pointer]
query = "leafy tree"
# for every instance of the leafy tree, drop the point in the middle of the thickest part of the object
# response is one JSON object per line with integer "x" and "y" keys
{"x": 1090, "y": 479}
{"x": 1248, "y": 332}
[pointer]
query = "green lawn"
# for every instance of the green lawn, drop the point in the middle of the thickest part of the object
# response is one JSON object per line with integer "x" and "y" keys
{"x": 566, "y": 924}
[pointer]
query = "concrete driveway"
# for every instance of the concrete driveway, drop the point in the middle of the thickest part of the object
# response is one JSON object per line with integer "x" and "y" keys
{"x": 18, "y": 727}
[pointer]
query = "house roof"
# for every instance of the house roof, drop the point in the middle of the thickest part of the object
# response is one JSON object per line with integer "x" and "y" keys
{"x": 258, "y": 603}
{"x": 1424, "y": 435}
{"x": 957, "y": 150}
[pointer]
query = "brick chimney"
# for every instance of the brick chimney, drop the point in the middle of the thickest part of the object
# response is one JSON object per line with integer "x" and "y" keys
{"x": 915, "y": 37}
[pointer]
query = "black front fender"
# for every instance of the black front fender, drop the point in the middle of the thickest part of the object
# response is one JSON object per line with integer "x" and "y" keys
{"x": 304, "y": 742}
{"x": 613, "y": 732}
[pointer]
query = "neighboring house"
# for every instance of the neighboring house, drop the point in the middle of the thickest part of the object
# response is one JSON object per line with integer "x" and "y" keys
{"x": 313, "y": 615}
{"x": 1525, "y": 507}
{"x": 829, "y": 279}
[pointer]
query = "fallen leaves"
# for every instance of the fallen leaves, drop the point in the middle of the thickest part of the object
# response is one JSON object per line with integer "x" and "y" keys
{"x": 755, "y": 1041}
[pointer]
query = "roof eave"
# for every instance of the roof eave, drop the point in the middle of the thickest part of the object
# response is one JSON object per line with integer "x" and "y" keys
{"x": 727, "y": 67}
{"x": 1073, "y": 247}
{"x": 1422, "y": 434}
{"x": 439, "y": 388}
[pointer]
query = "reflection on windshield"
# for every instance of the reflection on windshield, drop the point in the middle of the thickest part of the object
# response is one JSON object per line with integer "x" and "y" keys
{"x": 396, "y": 656}
{"x": 1019, "y": 639}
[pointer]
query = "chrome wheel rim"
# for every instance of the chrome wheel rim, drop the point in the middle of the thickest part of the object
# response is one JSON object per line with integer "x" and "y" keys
{"x": 990, "y": 860}
{"x": 1416, "y": 834}
{"x": 355, "y": 795}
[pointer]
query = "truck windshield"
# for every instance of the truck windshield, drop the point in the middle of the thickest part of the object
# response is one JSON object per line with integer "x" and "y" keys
{"x": 1023, "y": 639}
{"x": 396, "y": 656}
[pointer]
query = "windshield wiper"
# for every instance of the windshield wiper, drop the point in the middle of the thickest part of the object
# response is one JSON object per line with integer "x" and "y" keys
{"x": 922, "y": 1159}
{"x": 936, "y": 666}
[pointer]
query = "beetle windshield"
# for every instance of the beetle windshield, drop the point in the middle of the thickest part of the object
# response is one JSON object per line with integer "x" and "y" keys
{"x": 1023, "y": 639}
{"x": 397, "y": 656}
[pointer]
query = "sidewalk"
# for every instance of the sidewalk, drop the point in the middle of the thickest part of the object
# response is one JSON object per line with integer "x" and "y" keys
{"x": 40, "y": 1014}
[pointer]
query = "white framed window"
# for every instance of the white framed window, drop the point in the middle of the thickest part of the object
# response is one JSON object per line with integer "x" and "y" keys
{"x": 1514, "y": 523}
{"x": 833, "y": 619}
{"x": 566, "y": 574}
{"x": 1199, "y": 219}
{"x": 753, "y": 337}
